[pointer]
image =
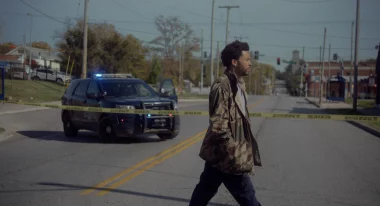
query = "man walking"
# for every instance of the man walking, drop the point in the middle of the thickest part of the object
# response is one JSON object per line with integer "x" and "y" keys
{"x": 229, "y": 149}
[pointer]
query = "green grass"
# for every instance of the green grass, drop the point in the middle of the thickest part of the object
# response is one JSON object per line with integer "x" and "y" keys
{"x": 33, "y": 91}
{"x": 374, "y": 125}
{"x": 363, "y": 103}
{"x": 193, "y": 96}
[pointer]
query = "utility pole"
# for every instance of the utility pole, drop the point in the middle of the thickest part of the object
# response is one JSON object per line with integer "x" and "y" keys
{"x": 303, "y": 53}
{"x": 378, "y": 75}
{"x": 84, "y": 61}
{"x": 217, "y": 59}
{"x": 355, "y": 100}
{"x": 228, "y": 17}
{"x": 201, "y": 86}
{"x": 212, "y": 44}
{"x": 320, "y": 67}
{"x": 352, "y": 63}
{"x": 30, "y": 40}
{"x": 182, "y": 60}
{"x": 329, "y": 60}
{"x": 302, "y": 71}
{"x": 180, "y": 65}
{"x": 23, "y": 59}
{"x": 323, "y": 69}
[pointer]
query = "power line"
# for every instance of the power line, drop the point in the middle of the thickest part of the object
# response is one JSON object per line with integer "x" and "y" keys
{"x": 42, "y": 12}
{"x": 242, "y": 24}
{"x": 283, "y": 46}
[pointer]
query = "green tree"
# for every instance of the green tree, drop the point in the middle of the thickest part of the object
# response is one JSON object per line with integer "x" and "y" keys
{"x": 107, "y": 50}
{"x": 155, "y": 71}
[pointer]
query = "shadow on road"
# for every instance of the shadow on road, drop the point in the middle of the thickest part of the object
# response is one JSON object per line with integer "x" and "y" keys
{"x": 85, "y": 137}
{"x": 69, "y": 187}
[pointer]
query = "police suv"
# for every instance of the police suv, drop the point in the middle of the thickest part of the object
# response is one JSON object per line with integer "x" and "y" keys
{"x": 119, "y": 91}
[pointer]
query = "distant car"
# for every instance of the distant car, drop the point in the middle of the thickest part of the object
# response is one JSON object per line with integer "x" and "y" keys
{"x": 50, "y": 75}
{"x": 118, "y": 91}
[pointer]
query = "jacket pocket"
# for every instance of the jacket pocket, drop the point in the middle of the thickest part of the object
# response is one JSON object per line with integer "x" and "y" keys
{"x": 239, "y": 156}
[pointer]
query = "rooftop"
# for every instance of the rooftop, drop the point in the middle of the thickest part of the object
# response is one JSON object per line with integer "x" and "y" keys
{"x": 36, "y": 53}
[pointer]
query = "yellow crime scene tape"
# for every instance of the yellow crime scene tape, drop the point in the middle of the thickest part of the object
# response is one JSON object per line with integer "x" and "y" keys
{"x": 206, "y": 113}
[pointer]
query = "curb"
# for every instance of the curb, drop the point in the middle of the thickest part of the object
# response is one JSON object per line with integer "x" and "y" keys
{"x": 313, "y": 103}
{"x": 357, "y": 124}
{"x": 24, "y": 110}
{"x": 5, "y": 136}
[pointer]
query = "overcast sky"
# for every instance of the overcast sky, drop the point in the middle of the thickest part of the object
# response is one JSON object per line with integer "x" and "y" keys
{"x": 274, "y": 27}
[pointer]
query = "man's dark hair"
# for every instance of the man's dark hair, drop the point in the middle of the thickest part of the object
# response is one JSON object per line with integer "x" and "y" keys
{"x": 233, "y": 51}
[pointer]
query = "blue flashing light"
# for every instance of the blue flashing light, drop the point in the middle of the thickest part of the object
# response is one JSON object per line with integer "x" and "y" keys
{"x": 148, "y": 115}
{"x": 98, "y": 75}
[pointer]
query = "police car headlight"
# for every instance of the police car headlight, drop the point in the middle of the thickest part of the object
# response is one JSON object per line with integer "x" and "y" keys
{"x": 175, "y": 106}
{"x": 125, "y": 106}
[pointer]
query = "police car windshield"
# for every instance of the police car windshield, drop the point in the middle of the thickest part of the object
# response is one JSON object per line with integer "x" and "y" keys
{"x": 127, "y": 89}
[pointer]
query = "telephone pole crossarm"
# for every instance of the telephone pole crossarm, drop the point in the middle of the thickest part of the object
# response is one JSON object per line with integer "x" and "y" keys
{"x": 228, "y": 17}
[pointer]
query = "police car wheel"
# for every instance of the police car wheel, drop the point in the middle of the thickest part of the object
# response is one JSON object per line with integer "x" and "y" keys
{"x": 68, "y": 127}
{"x": 105, "y": 131}
{"x": 168, "y": 135}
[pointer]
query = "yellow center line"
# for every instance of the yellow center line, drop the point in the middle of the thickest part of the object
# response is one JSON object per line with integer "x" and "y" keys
{"x": 136, "y": 166}
{"x": 150, "y": 165}
{"x": 157, "y": 159}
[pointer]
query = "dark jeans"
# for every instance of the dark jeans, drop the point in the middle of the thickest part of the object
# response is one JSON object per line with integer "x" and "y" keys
{"x": 240, "y": 187}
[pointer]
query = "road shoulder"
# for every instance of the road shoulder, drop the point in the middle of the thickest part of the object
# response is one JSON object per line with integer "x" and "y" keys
{"x": 333, "y": 110}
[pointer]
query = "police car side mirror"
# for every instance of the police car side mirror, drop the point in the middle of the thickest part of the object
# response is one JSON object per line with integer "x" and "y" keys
{"x": 165, "y": 94}
{"x": 92, "y": 96}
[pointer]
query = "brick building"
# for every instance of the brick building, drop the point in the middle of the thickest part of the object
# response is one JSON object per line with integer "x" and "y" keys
{"x": 366, "y": 71}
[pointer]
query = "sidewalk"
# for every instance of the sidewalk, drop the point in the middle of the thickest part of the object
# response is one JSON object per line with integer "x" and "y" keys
{"x": 326, "y": 104}
{"x": 370, "y": 127}
{"x": 342, "y": 105}
{"x": 9, "y": 108}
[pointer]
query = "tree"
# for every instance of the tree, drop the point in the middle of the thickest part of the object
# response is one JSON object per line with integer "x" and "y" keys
{"x": 41, "y": 45}
{"x": 155, "y": 71}
{"x": 6, "y": 47}
{"x": 107, "y": 50}
{"x": 175, "y": 36}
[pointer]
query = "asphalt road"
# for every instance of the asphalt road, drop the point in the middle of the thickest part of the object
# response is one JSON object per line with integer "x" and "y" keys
{"x": 305, "y": 162}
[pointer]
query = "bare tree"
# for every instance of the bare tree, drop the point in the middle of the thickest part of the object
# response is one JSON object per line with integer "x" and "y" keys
{"x": 175, "y": 34}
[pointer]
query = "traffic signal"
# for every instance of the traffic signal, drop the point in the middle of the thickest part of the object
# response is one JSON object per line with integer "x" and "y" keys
{"x": 204, "y": 71}
{"x": 257, "y": 55}
{"x": 335, "y": 57}
{"x": 278, "y": 61}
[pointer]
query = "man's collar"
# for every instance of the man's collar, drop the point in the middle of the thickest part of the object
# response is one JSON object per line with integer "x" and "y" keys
{"x": 232, "y": 76}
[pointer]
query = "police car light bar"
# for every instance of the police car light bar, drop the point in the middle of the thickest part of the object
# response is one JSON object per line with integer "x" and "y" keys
{"x": 113, "y": 76}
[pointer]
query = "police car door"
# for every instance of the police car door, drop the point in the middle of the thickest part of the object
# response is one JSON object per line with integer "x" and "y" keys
{"x": 93, "y": 100}
{"x": 79, "y": 99}
{"x": 167, "y": 86}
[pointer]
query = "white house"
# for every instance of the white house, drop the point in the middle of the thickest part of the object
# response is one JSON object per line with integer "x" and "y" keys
{"x": 41, "y": 57}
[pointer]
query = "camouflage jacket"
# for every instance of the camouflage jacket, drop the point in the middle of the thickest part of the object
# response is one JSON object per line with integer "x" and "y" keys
{"x": 229, "y": 144}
